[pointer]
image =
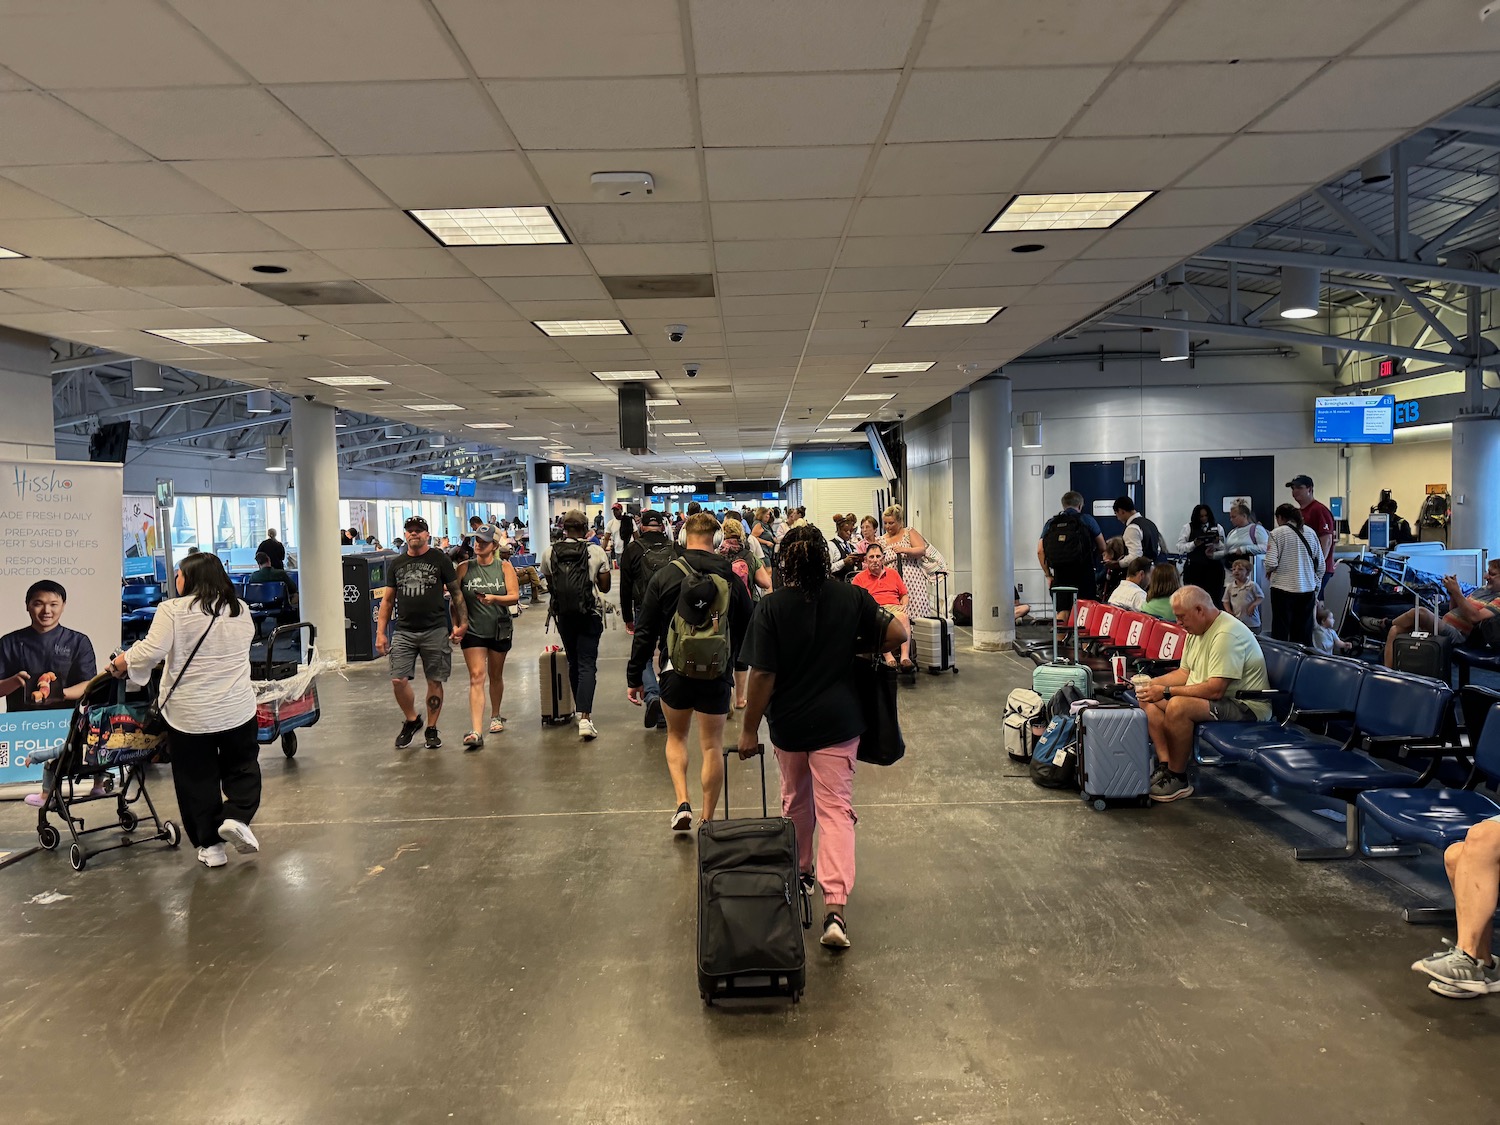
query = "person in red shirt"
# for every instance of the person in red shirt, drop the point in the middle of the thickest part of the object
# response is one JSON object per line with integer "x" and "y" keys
{"x": 885, "y": 585}
{"x": 1315, "y": 514}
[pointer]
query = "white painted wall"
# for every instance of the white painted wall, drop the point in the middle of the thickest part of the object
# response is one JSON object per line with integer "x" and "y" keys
{"x": 1406, "y": 468}
{"x": 937, "y": 485}
{"x": 26, "y": 392}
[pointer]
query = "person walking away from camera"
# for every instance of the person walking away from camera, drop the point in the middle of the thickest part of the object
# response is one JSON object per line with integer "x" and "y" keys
{"x": 203, "y": 637}
{"x": 415, "y": 584}
{"x": 753, "y": 574}
{"x": 693, "y": 618}
{"x": 1319, "y": 520}
{"x": 1142, "y": 537}
{"x": 1161, "y": 583}
{"x": 490, "y": 588}
{"x": 801, "y": 650}
{"x": 1294, "y": 566}
{"x": 273, "y": 548}
{"x": 905, "y": 549}
{"x": 1242, "y": 596}
{"x": 883, "y": 584}
{"x": 577, "y": 572}
{"x": 1200, "y": 539}
{"x": 1069, "y": 550}
{"x": 651, "y": 550}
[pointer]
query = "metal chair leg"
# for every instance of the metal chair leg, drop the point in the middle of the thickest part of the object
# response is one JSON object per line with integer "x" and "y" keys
{"x": 1350, "y": 848}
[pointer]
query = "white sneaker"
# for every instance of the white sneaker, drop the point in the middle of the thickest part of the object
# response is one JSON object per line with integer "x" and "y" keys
{"x": 212, "y": 856}
{"x": 587, "y": 730}
{"x": 238, "y": 834}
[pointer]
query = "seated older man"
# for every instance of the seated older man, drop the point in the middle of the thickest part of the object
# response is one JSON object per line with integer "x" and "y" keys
{"x": 1465, "y": 969}
{"x": 1221, "y": 659}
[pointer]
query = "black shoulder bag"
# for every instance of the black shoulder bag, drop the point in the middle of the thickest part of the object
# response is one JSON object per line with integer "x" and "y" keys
{"x": 155, "y": 721}
{"x": 875, "y": 684}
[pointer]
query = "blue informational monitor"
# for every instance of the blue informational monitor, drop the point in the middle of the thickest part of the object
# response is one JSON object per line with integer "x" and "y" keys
{"x": 1380, "y": 531}
{"x": 433, "y": 485}
{"x": 1355, "y": 420}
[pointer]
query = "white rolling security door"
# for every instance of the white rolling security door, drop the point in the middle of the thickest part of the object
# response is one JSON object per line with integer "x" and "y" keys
{"x": 825, "y": 497}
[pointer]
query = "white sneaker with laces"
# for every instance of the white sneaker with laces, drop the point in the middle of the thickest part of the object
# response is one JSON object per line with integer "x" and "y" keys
{"x": 587, "y": 731}
{"x": 239, "y": 834}
{"x": 212, "y": 856}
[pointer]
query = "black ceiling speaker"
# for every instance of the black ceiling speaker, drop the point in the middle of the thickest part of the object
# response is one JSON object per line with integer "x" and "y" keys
{"x": 633, "y": 436}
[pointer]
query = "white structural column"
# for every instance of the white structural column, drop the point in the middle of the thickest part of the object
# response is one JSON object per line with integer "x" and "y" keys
{"x": 991, "y": 489}
{"x": 610, "y": 487}
{"x": 538, "y": 511}
{"x": 26, "y": 390}
{"x": 320, "y": 567}
{"x": 1476, "y": 475}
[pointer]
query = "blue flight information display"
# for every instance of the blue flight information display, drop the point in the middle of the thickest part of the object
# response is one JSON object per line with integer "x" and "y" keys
{"x": 433, "y": 485}
{"x": 1355, "y": 420}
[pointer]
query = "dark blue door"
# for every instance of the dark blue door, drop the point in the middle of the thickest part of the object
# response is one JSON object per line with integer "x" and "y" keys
{"x": 1224, "y": 479}
{"x": 1101, "y": 482}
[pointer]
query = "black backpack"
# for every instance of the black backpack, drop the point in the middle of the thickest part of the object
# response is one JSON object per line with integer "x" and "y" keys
{"x": 654, "y": 556}
{"x": 1151, "y": 542}
{"x": 572, "y": 582}
{"x": 1065, "y": 542}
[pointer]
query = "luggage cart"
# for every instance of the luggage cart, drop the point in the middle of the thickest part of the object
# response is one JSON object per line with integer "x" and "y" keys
{"x": 280, "y": 718}
{"x": 105, "y": 747}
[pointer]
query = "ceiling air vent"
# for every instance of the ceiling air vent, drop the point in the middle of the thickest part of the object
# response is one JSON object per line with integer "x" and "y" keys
{"x": 518, "y": 394}
{"x": 646, "y": 286}
{"x": 300, "y": 293}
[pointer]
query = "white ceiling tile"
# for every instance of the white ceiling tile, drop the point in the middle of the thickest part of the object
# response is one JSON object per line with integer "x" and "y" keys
{"x": 609, "y": 223}
{"x": 18, "y": 303}
{"x": 771, "y": 282}
{"x": 263, "y": 316}
{"x": 876, "y": 302}
{"x": 300, "y": 265}
{"x": 571, "y": 310}
{"x": 121, "y": 189}
{"x": 463, "y": 179}
{"x": 17, "y": 202}
{"x": 502, "y": 321}
{"x": 417, "y": 290}
{"x": 793, "y": 35}
{"x": 1205, "y": 207}
{"x": 773, "y": 111}
{"x": 785, "y": 173}
{"x": 349, "y": 230}
{"x": 1014, "y": 269}
{"x": 37, "y": 129}
{"x": 947, "y": 294}
{"x": 1109, "y": 164}
{"x": 803, "y": 218}
{"x": 776, "y": 254}
{"x": 883, "y": 279}
{"x": 316, "y": 184}
{"x": 1382, "y": 93}
{"x": 662, "y": 310}
{"x": 565, "y": 175}
{"x": 665, "y": 258}
{"x": 521, "y": 261}
{"x": 330, "y": 41}
{"x": 566, "y": 38}
{"x": 954, "y": 167}
{"x": 1191, "y": 97}
{"x": 784, "y": 304}
{"x": 206, "y": 123}
{"x": 549, "y": 288}
{"x": 204, "y": 296}
{"x": 1287, "y": 158}
{"x": 1435, "y": 27}
{"x": 1122, "y": 270}
{"x": 204, "y": 234}
{"x": 909, "y": 215}
{"x": 1087, "y": 296}
{"x": 1209, "y": 30}
{"x": 601, "y": 113}
{"x": 363, "y": 314}
{"x": 1035, "y": 32}
{"x": 799, "y": 322}
{"x": 396, "y": 263}
{"x": 1162, "y": 242}
{"x": 366, "y": 118}
{"x": 908, "y": 250}
{"x": 1061, "y": 245}
{"x": 982, "y": 105}
{"x": 69, "y": 238}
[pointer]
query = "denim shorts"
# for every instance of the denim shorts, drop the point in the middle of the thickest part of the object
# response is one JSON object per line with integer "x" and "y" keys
{"x": 431, "y": 645}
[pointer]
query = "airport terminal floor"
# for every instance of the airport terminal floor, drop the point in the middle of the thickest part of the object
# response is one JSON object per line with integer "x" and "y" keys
{"x": 507, "y": 936}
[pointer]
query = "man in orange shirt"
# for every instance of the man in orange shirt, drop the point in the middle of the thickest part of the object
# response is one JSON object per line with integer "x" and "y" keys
{"x": 887, "y": 588}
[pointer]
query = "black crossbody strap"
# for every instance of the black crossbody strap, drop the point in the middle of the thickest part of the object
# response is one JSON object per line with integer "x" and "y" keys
{"x": 162, "y": 706}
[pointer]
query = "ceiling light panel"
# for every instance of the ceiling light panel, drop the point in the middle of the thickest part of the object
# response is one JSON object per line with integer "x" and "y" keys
{"x": 207, "y": 336}
{"x": 491, "y": 226}
{"x": 486, "y": 425}
{"x": 627, "y": 376}
{"x": 518, "y": 437}
{"x": 662, "y": 401}
{"x": 898, "y": 368}
{"x": 350, "y": 381}
{"x": 681, "y": 433}
{"x": 4, "y": 253}
{"x": 1085, "y": 210}
{"x": 868, "y": 398}
{"x": 582, "y": 327}
{"x": 833, "y": 429}
{"x": 846, "y": 417}
{"x": 432, "y": 406}
{"x": 671, "y": 421}
{"x": 925, "y": 318}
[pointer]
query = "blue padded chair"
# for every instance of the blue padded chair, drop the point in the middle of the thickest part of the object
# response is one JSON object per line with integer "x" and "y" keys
{"x": 266, "y": 601}
{"x": 1467, "y": 659}
{"x": 1323, "y": 689}
{"x": 1394, "y": 713}
{"x": 139, "y": 597}
{"x": 1282, "y": 662}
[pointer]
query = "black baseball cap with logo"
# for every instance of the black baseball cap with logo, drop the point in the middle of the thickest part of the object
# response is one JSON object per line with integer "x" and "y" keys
{"x": 415, "y": 523}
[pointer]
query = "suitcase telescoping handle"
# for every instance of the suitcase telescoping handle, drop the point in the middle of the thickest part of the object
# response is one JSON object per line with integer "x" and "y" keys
{"x": 1064, "y": 590}
{"x": 760, "y": 752}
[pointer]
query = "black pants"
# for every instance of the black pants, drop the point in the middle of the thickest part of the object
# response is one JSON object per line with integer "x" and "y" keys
{"x": 1292, "y": 615}
{"x": 580, "y": 635}
{"x": 217, "y": 777}
{"x": 1080, "y": 578}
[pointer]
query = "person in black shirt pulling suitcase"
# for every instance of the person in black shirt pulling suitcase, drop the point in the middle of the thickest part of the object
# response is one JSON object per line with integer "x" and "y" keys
{"x": 695, "y": 612}
{"x": 577, "y": 572}
{"x": 801, "y": 649}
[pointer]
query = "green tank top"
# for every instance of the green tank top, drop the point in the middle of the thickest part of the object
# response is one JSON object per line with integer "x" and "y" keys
{"x": 486, "y": 619}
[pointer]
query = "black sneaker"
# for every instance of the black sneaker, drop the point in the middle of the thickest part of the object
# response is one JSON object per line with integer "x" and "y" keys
{"x": 408, "y": 732}
{"x": 433, "y": 740}
{"x": 653, "y": 714}
{"x": 682, "y": 819}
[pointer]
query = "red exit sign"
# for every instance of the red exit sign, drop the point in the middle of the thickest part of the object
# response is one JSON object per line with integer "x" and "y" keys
{"x": 1388, "y": 367}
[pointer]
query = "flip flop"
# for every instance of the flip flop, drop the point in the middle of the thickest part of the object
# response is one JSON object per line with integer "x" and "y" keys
{"x": 472, "y": 741}
{"x": 497, "y": 724}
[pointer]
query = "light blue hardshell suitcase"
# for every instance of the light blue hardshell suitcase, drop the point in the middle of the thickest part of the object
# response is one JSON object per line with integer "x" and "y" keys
{"x": 1114, "y": 755}
{"x": 1047, "y": 678}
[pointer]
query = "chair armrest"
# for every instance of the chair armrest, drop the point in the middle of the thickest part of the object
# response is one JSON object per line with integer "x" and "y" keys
{"x": 1325, "y": 715}
{"x": 1261, "y": 693}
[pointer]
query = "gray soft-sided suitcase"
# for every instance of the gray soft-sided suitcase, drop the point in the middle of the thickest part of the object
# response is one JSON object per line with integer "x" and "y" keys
{"x": 1114, "y": 755}
{"x": 932, "y": 644}
{"x": 1047, "y": 678}
{"x": 557, "y": 693}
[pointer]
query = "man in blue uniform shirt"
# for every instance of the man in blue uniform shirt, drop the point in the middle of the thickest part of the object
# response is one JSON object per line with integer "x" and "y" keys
{"x": 45, "y": 664}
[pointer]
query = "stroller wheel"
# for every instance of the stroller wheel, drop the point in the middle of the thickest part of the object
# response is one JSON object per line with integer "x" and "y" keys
{"x": 169, "y": 830}
{"x": 47, "y": 836}
{"x": 128, "y": 820}
{"x": 78, "y": 859}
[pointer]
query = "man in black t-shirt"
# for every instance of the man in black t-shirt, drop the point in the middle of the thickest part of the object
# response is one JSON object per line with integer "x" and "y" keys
{"x": 415, "y": 585}
{"x": 273, "y": 548}
{"x": 801, "y": 649}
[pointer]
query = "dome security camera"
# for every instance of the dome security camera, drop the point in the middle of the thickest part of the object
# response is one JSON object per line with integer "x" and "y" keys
{"x": 691, "y": 369}
{"x": 676, "y": 332}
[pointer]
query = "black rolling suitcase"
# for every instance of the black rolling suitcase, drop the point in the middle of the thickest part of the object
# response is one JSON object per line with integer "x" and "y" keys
{"x": 1423, "y": 654}
{"x": 751, "y": 907}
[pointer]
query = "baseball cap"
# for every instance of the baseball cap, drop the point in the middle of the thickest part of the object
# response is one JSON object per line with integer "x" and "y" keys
{"x": 1300, "y": 479}
{"x": 696, "y": 599}
{"x": 485, "y": 533}
{"x": 415, "y": 523}
{"x": 652, "y": 519}
{"x": 618, "y": 508}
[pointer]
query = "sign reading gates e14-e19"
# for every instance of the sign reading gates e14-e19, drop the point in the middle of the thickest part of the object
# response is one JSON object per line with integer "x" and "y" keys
{"x": 59, "y": 520}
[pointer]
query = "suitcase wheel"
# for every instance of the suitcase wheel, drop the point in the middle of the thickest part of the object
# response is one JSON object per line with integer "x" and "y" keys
{"x": 1099, "y": 804}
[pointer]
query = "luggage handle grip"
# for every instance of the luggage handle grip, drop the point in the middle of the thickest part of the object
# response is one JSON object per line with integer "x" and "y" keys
{"x": 759, "y": 752}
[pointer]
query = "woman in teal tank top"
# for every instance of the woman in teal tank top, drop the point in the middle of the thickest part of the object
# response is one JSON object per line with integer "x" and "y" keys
{"x": 490, "y": 589}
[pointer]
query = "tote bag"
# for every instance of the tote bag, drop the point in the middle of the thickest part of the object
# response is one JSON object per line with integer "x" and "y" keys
{"x": 875, "y": 683}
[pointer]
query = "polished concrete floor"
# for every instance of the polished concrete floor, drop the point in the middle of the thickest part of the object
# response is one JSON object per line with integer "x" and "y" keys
{"x": 508, "y": 936}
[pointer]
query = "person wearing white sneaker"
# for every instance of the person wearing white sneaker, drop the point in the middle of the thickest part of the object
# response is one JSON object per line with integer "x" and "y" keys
{"x": 204, "y": 636}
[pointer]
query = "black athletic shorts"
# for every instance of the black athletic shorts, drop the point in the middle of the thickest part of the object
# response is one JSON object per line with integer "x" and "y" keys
{"x": 708, "y": 697}
{"x": 491, "y": 643}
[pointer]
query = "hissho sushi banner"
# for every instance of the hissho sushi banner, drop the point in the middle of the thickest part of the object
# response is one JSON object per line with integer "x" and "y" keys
{"x": 58, "y": 520}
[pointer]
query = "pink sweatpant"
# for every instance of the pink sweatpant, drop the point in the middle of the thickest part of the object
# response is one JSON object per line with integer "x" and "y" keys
{"x": 817, "y": 788}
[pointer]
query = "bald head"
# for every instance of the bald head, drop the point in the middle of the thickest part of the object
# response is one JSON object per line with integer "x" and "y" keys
{"x": 1194, "y": 608}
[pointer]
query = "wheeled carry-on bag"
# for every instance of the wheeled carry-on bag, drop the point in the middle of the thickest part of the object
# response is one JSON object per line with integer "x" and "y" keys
{"x": 1423, "y": 654}
{"x": 1047, "y": 678}
{"x": 932, "y": 647}
{"x": 1114, "y": 755}
{"x": 557, "y": 693}
{"x": 751, "y": 906}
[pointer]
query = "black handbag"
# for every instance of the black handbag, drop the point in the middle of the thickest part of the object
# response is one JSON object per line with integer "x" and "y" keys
{"x": 875, "y": 683}
{"x": 154, "y": 723}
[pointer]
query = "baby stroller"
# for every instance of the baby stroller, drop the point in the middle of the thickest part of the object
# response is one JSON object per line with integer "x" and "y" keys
{"x": 106, "y": 747}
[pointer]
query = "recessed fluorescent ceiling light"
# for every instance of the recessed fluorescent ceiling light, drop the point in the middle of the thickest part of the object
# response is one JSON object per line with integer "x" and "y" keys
{"x": 662, "y": 402}
{"x": 1084, "y": 210}
{"x": 491, "y": 226}
{"x": 898, "y": 368}
{"x": 350, "y": 381}
{"x": 207, "y": 336}
{"x": 432, "y": 406}
{"x": 4, "y": 253}
{"x": 824, "y": 441}
{"x": 867, "y": 398}
{"x": 518, "y": 437}
{"x": 671, "y": 421}
{"x": 625, "y": 376}
{"x": 583, "y": 327}
{"x": 681, "y": 433}
{"x": 486, "y": 425}
{"x": 841, "y": 417}
{"x": 924, "y": 318}
{"x": 832, "y": 430}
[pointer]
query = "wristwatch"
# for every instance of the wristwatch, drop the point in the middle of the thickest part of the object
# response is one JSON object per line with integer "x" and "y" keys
{"x": 1166, "y": 693}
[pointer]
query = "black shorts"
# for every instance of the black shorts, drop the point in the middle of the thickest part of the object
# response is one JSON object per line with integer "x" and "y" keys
{"x": 707, "y": 697}
{"x": 494, "y": 644}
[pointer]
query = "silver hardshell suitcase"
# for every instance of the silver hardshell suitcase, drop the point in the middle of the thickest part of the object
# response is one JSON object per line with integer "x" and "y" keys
{"x": 1114, "y": 755}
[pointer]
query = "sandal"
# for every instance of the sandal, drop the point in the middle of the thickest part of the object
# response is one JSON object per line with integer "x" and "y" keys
{"x": 889, "y": 660}
{"x": 472, "y": 741}
{"x": 908, "y": 666}
{"x": 741, "y": 704}
{"x": 497, "y": 724}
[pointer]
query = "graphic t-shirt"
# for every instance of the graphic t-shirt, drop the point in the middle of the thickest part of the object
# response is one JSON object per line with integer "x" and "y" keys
{"x": 419, "y": 581}
{"x": 1317, "y": 516}
{"x": 1228, "y": 651}
{"x": 486, "y": 619}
